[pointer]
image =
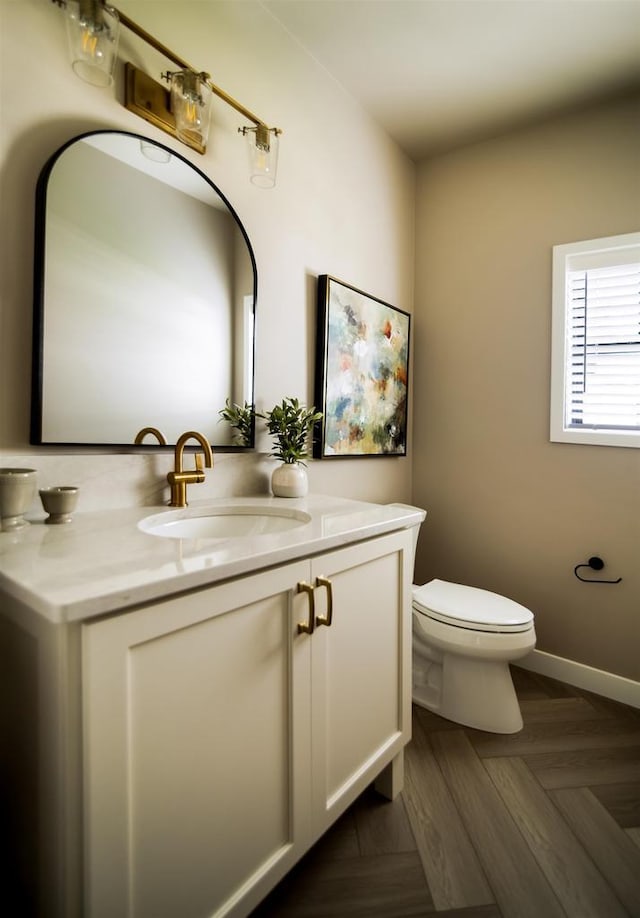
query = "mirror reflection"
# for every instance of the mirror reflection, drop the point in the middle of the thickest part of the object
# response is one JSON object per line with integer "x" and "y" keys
{"x": 145, "y": 297}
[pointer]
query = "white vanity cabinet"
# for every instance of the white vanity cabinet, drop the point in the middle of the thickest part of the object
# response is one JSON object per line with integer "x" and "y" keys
{"x": 221, "y": 738}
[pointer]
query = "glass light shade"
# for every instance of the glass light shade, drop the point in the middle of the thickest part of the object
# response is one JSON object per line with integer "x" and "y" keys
{"x": 262, "y": 146}
{"x": 92, "y": 33}
{"x": 191, "y": 106}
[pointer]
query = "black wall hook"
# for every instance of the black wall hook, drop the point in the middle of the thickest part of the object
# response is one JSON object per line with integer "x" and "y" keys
{"x": 596, "y": 564}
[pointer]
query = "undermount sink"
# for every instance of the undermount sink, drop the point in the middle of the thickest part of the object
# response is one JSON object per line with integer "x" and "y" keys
{"x": 223, "y": 522}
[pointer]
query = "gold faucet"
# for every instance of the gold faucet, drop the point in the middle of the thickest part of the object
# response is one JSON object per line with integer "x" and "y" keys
{"x": 179, "y": 479}
{"x": 162, "y": 440}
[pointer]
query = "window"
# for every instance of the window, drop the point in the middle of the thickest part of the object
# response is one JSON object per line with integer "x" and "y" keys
{"x": 595, "y": 361}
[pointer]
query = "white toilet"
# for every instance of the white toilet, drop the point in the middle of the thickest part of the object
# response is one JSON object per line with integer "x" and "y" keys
{"x": 463, "y": 641}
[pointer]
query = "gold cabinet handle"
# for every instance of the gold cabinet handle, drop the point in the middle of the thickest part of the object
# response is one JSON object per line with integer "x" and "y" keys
{"x": 328, "y": 618}
{"x": 308, "y": 626}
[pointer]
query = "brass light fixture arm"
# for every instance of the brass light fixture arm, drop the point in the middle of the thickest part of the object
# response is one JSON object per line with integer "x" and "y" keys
{"x": 150, "y": 39}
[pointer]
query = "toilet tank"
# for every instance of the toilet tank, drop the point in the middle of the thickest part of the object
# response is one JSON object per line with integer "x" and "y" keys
{"x": 416, "y": 529}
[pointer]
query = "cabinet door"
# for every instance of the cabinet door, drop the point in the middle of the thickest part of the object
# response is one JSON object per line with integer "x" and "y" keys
{"x": 361, "y": 693}
{"x": 195, "y": 710}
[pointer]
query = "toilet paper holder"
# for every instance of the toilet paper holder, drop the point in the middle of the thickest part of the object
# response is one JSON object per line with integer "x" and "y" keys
{"x": 595, "y": 564}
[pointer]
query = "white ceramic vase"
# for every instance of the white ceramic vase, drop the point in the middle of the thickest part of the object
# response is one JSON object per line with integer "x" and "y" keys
{"x": 17, "y": 491}
{"x": 290, "y": 480}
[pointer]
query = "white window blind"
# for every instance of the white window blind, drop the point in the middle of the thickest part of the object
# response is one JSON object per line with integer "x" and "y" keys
{"x": 603, "y": 353}
{"x": 595, "y": 377}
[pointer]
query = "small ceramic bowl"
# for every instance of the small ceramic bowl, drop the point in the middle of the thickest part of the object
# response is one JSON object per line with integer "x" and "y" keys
{"x": 59, "y": 503}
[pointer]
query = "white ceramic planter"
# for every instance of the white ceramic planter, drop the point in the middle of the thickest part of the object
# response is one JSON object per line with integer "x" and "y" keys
{"x": 290, "y": 480}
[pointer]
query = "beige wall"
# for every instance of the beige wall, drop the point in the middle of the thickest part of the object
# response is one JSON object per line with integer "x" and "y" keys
{"x": 508, "y": 510}
{"x": 343, "y": 205}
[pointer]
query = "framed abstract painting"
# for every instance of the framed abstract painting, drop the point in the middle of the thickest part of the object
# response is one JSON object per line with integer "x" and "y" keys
{"x": 362, "y": 372}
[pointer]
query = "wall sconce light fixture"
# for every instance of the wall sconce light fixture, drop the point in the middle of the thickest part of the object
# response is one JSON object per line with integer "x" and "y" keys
{"x": 92, "y": 33}
{"x": 191, "y": 105}
{"x": 262, "y": 144}
{"x": 183, "y": 110}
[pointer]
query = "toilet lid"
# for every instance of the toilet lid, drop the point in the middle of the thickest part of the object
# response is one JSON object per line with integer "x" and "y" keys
{"x": 470, "y": 607}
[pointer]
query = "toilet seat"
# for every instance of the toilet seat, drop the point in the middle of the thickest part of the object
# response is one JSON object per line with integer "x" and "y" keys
{"x": 470, "y": 607}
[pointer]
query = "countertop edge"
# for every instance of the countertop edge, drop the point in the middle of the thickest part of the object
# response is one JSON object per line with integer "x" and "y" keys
{"x": 83, "y": 600}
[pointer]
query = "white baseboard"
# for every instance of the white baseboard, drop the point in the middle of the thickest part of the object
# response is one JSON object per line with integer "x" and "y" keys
{"x": 618, "y": 688}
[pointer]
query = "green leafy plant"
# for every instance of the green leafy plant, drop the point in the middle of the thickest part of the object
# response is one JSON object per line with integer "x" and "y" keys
{"x": 290, "y": 423}
{"x": 241, "y": 419}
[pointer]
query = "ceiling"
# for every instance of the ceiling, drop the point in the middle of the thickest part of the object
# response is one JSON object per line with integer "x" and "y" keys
{"x": 437, "y": 74}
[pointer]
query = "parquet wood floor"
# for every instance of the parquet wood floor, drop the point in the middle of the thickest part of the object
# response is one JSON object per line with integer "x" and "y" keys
{"x": 541, "y": 823}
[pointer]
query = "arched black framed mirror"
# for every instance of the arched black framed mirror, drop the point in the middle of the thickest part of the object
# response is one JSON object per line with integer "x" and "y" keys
{"x": 145, "y": 294}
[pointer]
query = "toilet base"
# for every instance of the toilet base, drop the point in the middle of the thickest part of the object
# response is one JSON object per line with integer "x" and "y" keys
{"x": 442, "y": 686}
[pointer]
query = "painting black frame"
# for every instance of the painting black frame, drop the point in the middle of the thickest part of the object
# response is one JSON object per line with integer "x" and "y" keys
{"x": 369, "y": 366}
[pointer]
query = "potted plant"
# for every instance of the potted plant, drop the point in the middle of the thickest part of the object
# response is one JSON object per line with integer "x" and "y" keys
{"x": 241, "y": 419}
{"x": 290, "y": 423}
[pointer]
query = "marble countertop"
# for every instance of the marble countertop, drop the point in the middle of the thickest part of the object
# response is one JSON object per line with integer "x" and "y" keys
{"x": 103, "y": 562}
